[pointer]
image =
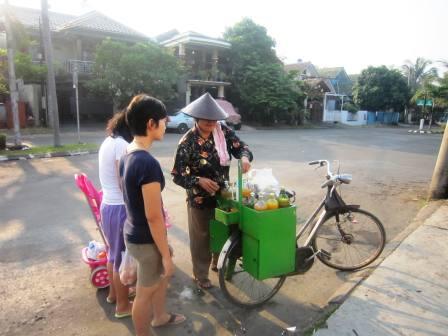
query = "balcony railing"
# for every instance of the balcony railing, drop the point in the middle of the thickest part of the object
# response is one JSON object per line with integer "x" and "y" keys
{"x": 82, "y": 67}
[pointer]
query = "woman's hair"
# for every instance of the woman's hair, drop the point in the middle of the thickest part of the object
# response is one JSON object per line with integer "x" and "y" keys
{"x": 117, "y": 126}
{"x": 140, "y": 110}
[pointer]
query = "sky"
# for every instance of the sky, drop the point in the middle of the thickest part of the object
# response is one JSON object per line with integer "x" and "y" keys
{"x": 349, "y": 33}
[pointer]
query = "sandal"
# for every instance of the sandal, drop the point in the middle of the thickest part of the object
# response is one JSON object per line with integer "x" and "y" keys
{"x": 173, "y": 320}
{"x": 123, "y": 315}
{"x": 203, "y": 284}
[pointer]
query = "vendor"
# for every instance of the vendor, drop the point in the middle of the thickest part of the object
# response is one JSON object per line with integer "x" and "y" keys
{"x": 201, "y": 166}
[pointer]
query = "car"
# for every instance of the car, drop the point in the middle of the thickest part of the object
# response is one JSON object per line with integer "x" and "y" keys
{"x": 180, "y": 122}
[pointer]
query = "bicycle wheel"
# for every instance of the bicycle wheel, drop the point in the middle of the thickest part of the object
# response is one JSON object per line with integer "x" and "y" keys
{"x": 354, "y": 239}
{"x": 240, "y": 287}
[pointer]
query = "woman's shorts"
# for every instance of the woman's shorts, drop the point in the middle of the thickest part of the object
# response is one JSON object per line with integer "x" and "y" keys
{"x": 112, "y": 219}
{"x": 149, "y": 263}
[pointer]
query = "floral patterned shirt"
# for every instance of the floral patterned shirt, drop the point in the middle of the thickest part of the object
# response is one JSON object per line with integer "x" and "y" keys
{"x": 197, "y": 157}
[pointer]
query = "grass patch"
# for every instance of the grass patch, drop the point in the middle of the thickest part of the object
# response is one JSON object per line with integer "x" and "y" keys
{"x": 51, "y": 149}
{"x": 321, "y": 322}
{"x": 31, "y": 131}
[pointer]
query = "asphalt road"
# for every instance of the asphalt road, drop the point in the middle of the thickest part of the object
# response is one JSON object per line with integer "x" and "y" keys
{"x": 45, "y": 221}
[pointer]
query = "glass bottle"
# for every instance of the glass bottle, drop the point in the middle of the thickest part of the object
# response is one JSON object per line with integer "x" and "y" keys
{"x": 272, "y": 202}
{"x": 260, "y": 204}
{"x": 283, "y": 199}
{"x": 250, "y": 201}
{"x": 226, "y": 192}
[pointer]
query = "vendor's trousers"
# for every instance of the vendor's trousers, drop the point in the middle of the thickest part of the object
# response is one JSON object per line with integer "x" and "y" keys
{"x": 198, "y": 227}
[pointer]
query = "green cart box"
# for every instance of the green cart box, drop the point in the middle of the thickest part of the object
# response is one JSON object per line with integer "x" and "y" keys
{"x": 219, "y": 233}
{"x": 268, "y": 241}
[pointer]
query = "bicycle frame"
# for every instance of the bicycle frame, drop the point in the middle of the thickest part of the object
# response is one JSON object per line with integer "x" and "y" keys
{"x": 316, "y": 225}
{"x": 331, "y": 190}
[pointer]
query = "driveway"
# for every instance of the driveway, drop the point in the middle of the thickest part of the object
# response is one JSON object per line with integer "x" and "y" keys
{"x": 45, "y": 221}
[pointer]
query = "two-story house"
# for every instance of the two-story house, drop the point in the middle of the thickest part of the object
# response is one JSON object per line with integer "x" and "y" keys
{"x": 205, "y": 60}
{"x": 74, "y": 40}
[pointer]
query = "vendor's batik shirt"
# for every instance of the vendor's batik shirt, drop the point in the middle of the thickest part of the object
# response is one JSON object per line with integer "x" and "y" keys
{"x": 197, "y": 157}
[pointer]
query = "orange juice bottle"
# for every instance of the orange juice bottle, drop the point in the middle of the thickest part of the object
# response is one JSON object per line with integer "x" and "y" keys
{"x": 272, "y": 202}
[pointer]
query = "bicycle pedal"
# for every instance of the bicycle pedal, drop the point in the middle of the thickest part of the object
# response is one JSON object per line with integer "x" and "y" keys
{"x": 325, "y": 254}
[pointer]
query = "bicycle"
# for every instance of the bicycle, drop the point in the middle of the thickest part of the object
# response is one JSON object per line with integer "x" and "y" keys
{"x": 344, "y": 237}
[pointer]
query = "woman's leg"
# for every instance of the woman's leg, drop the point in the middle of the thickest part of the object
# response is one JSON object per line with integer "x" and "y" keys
{"x": 159, "y": 303}
{"x": 198, "y": 227}
{"x": 142, "y": 310}
{"x": 111, "y": 297}
{"x": 117, "y": 240}
{"x": 121, "y": 292}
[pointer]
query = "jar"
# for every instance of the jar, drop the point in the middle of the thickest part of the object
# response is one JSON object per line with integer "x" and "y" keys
{"x": 260, "y": 204}
{"x": 272, "y": 202}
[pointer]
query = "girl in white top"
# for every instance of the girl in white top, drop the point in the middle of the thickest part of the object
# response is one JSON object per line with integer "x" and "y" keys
{"x": 113, "y": 212}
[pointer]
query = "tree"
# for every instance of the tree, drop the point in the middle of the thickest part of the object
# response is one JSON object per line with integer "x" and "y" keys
{"x": 418, "y": 72}
{"x": 4, "y": 89}
{"x": 122, "y": 71}
{"x": 260, "y": 87}
{"x": 381, "y": 89}
{"x": 268, "y": 93}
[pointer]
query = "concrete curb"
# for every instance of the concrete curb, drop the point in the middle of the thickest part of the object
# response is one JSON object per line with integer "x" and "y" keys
{"x": 343, "y": 292}
{"x": 17, "y": 157}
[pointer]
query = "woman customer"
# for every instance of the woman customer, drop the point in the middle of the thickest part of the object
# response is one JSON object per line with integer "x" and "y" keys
{"x": 201, "y": 166}
{"x": 113, "y": 212}
{"x": 144, "y": 231}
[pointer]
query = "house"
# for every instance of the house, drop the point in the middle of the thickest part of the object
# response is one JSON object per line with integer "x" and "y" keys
{"x": 316, "y": 88}
{"x": 304, "y": 69}
{"x": 205, "y": 59}
{"x": 74, "y": 40}
{"x": 339, "y": 79}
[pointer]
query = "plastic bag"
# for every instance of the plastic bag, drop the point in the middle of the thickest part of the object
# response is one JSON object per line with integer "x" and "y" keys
{"x": 128, "y": 269}
{"x": 167, "y": 218}
{"x": 94, "y": 249}
{"x": 263, "y": 180}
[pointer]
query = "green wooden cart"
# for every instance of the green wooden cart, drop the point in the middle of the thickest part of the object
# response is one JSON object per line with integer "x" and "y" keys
{"x": 257, "y": 250}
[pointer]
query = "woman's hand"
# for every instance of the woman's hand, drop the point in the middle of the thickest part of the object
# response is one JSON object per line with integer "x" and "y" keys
{"x": 245, "y": 164}
{"x": 168, "y": 267}
{"x": 208, "y": 185}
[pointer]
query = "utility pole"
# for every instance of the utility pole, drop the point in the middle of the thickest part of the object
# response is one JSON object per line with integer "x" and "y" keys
{"x": 75, "y": 86}
{"x": 51, "y": 85}
{"x": 14, "y": 94}
{"x": 439, "y": 182}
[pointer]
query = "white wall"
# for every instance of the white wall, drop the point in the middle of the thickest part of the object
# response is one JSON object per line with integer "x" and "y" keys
{"x": 346, "y": 118}
{"x": 354, "y": 119}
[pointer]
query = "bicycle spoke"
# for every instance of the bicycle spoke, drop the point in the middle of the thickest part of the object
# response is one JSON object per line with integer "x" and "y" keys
{"x": 355, "y": 241}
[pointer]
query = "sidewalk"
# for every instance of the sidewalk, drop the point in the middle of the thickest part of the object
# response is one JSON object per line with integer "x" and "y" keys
{"x": 407, "y": 294}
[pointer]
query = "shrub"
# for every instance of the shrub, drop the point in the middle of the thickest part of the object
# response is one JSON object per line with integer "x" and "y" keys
{"x": 2, "y": 141}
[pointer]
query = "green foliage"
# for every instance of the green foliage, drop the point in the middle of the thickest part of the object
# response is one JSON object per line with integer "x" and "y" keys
{"x": 2, "y": 141}
{"x": 381, "y": 89}
{"x": 4, "y": 89}
{"x": 260, "y": 87}
{"x": 268, "y": 93}
{"x": 122, "y": 71}
{"x": 250, "y": 45}
{"x": 350, "y": 107}
{"x": 27, "y": 70}
{"x": 418, "y": 72}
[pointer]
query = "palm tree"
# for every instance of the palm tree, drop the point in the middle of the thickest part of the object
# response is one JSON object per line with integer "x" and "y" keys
{"x": 417, "y": 73}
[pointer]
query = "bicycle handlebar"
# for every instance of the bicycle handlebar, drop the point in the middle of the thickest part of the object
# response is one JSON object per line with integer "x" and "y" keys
{"x": 322, "y": 163}
{"x": 331, "y": 178}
